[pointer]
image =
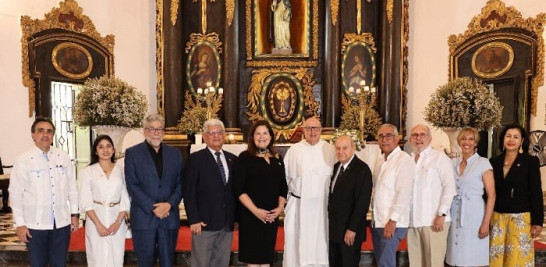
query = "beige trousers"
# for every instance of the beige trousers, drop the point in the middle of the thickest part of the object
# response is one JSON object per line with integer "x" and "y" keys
{"x": 427, "y": 248}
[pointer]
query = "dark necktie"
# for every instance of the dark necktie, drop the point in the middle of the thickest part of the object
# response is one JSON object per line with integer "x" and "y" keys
{"x": 337, "y": 176}
{"x": 221, "y": 166}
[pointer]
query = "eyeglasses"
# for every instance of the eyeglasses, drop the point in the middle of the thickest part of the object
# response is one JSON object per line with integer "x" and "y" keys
{"x": 215, "y": 133}
{"x": 316, "y": 129}
{"x": 388, "y": 136}
{"x": 417, "y": 135}
{"x": 155, "y": 130}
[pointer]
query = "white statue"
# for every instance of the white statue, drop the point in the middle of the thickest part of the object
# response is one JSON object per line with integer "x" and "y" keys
{"x": 282, "y": 13}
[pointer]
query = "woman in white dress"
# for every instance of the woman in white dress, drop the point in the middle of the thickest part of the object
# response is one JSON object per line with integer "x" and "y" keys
{"x": 104, "y": 198}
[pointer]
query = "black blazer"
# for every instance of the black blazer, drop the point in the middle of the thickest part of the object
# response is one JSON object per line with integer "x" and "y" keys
{"x": 206, "y": 198}
{"x": 521, "y": 190}
{"x": 350, "y": 201}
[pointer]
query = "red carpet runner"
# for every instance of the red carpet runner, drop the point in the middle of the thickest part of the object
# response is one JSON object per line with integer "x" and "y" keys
{"x": 77, "y": 241}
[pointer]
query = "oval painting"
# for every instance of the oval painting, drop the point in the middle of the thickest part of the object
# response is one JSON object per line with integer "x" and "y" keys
{"x": 358, "y": 65}
{"x": 203, "y": 67}
{"x": 492, "y": 59}
{"x": 72, "y": 60}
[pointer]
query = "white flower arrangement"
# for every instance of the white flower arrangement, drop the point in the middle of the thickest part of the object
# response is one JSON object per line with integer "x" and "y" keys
{"x": 355, "y": 135}
{"x": 109, "y": 101}
{"x": 464, "y": 102}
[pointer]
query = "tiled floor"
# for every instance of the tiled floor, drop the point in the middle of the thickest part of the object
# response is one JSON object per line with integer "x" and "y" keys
{"x": 9, "y": 242}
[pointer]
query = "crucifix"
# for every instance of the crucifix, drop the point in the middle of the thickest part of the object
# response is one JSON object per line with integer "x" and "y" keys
{"x": 204, "y": 14}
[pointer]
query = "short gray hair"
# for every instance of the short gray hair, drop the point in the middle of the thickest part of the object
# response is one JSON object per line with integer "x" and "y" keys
{"x": 393, "y": 127}
{"x": 213, "y": 122}
{"x": 153, "y": 117}
{"x": 421, "y": 125}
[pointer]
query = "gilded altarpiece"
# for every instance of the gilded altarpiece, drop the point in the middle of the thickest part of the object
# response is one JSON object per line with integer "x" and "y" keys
{"x": 282, "y": 80}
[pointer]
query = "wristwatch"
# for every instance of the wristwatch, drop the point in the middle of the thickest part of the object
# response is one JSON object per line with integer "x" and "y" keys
{"x": 441, "y": 214}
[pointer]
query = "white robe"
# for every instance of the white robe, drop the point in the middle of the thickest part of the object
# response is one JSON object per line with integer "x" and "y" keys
{"x": 95, "y": 186}
{"x": 308, "y": 172}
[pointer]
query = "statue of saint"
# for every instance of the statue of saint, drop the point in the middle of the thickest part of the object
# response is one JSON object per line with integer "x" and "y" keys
{"x": 281, "y": 15}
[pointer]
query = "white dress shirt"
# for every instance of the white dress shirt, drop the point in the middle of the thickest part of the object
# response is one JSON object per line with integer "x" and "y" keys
{"x": 223, "y": 159}
{"x": 433, "y": 188}
{"x": 42, "y": 188}
{"x": 392, "y": 190}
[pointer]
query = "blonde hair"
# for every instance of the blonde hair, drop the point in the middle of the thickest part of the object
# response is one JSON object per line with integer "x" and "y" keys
{"x": 467, "y": 130}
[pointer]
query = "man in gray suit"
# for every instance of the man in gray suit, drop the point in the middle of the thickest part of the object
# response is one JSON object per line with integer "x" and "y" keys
{"x": 153, "y": 172}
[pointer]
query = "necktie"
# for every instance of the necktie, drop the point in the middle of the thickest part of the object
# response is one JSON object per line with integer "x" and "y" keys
{"x": 338, "y": 174}
{"x": 221, "y": 166}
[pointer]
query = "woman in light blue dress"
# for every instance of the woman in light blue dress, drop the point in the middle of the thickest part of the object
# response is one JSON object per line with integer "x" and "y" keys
{"x": 468, "y": 242}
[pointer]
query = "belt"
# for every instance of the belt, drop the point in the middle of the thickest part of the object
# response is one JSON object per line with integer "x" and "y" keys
{"x": 109, "y": 204}
{"x": 294, "y": 195}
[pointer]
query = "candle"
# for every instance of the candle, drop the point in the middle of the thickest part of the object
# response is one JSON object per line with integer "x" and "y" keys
{"x": 362, "y": 83}
{"x": 351, "y": 90}
{"x": 199, "y": 91}
{"x": 209, "y": 84}
{"x": 231, "y": 137}
{"x": 358, "y": 91}
{"x": 211, "y": 90}
{"x": 220, "y": 90}
{"x": 373, "y": 90}
{"x": 206, "y": 91}
{"x": 366, "y": 88}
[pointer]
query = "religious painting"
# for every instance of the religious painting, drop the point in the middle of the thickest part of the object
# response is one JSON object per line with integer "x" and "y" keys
{"x": 72, "y": 60}
{"x": 358, "y": 66}
{"x": 492, "y": 59}
{"x": 203, "y": 66}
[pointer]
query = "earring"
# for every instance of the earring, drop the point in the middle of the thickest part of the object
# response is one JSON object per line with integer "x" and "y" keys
{"x": 520, "y": 150}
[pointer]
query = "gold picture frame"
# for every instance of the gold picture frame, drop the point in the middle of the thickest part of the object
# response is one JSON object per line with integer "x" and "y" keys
{"x": 72, "y": 60}
{"x": 492, "y": 59}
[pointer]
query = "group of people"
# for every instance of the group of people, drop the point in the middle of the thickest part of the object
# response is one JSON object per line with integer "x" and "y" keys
{"x": 467, "y": 211}
{"x": 46, "y": 198}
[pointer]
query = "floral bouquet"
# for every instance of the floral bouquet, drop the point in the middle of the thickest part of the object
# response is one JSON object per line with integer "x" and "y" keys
{"x": 464, "y": 102}
{"x": 109, "y": 101}
{"x": 355, "y": 135}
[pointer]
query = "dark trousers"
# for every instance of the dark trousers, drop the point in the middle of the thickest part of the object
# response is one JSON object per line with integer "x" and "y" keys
{"x": 48, "y": 246}
{"x": 341, "y": 255}
{"x": 150, "y": 244}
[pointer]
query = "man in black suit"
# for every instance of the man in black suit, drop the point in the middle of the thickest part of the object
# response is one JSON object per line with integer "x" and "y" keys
{"x": 348, "y": 203}
{"x": 209, "y": 200}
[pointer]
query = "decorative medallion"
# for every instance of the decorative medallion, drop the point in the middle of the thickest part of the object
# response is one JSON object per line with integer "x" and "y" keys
{"x": 282, "y": 96}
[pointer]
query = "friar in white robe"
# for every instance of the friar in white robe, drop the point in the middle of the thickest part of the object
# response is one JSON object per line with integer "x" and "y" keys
{"x": 308, "y": 167}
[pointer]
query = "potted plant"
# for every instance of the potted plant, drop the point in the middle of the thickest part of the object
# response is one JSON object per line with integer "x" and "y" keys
{"x": 110, "y": 106}
{"x": 463, "y": 102}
